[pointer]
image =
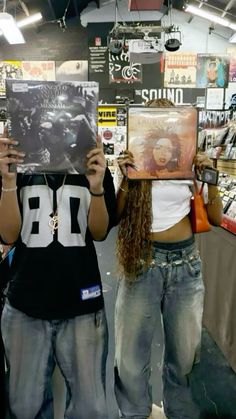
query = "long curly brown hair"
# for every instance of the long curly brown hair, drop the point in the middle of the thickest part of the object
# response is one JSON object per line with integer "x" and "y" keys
{"x": 134, "y": 246}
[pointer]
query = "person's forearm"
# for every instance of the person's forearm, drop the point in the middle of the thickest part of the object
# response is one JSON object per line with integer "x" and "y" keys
{"x": 121, "y": 198}
{"x": 98, "y": 218}
{"x": 214, "y": 205}
{"x": 10, "y": 218}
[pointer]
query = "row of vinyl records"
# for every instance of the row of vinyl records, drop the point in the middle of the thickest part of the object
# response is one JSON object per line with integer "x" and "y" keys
{"x": 219, "y": 142}
{"x": 227, "y": 188}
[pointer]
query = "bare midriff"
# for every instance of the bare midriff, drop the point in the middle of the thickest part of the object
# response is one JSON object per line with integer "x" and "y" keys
{"x": 180, "y": 231}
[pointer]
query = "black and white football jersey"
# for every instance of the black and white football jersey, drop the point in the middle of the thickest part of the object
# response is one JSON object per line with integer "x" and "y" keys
{"x": 56, "y": 275}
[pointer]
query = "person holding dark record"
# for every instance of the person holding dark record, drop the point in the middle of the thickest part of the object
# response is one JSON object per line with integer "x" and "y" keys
{"x": 54, "y": 312}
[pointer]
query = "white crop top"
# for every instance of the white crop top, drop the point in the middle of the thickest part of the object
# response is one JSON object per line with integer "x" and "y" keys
{"x": 170, "y": 202}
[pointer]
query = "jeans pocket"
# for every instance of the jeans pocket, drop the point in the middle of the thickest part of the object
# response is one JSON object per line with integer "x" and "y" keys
{"x": 194, "y": 267}
{"x": 99, "y": 319}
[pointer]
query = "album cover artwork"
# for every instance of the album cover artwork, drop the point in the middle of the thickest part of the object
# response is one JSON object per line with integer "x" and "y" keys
{"x": 55, "y": 123}
{"x": 163, "y": 142}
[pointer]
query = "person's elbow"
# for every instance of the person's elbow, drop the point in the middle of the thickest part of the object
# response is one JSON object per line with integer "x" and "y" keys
{"x": 8, "y": 239}
{"x": 215, "y": 218}
{"x": 9, "y": 233}
{"x": 98, "y": 235}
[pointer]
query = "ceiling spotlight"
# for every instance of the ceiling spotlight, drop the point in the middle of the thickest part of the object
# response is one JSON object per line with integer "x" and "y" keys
{"x": 115, "y": 46}
{"x": 172, "y": 39}
{"x": 172, "y": 44}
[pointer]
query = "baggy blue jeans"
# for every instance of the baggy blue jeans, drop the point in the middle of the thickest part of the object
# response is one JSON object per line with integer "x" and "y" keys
{"x": 77, "y": 345}
{"x": 173, "y": 284}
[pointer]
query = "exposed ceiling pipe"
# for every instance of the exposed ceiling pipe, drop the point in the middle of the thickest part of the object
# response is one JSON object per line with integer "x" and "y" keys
{"x": 52, "y": 9}
{"x": 228, "y": 7}
{"x": 76, "y": 7}
{"x": 24, "y": 8}
{"x": 207, "y": 4}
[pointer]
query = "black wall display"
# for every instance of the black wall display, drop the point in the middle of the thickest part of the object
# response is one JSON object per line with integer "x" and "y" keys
{"x": 119, "y": 80}
{"x": 90, "y": 43}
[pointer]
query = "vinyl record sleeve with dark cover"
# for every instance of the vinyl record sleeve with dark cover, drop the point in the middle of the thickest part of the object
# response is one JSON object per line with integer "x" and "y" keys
{"x": 163, "y": 142}
{"x": 55, "y": 123}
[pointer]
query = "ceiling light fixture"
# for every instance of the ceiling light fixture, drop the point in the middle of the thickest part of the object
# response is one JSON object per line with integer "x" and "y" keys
{"x": 206, "y": 15}
{"x": 10, "y": 30}
{"x": 172, "y": 39}
{"x": 172, "y": 35}
{"x": 29, "y": 20}
{"x": 115, "y": 46}
{"x": 210, "y": 16}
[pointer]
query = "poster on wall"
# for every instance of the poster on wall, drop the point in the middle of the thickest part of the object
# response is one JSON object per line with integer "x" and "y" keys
{"x": 212, "y": 70}
{"x": 214, "y": 98}
{"x": 214, "y": 119}
{"x": 121, "y": 70}
{"x": 112, "y": 127}
{"x": 216, "y": 134}
{"x": 73, "y": 70}
{"x": 9, "y": 70}
{"x": 38, "y": 70}
{"x": 180, "y": 69}
{"x": 163, "y": 142}
{"x": 55, "y": 123}
{"x": 98, "y": 64}
{"x": 232, "y": 63}
{"x": 230, "y": 96}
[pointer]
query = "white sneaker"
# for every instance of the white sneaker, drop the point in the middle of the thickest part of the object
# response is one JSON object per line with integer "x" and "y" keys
{"x": 157, "y": 412}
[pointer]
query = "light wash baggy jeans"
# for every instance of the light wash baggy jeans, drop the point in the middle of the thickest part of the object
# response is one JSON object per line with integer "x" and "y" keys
{"x": 79, "y": 347}
{"x": 172, "y": 284}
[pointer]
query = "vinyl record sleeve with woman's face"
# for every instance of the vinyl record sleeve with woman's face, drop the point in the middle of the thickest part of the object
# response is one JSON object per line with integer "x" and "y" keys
{"x": 163, "y": 142}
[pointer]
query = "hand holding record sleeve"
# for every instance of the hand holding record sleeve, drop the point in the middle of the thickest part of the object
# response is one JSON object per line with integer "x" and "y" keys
{"x": 9, "y": 156}
{"x": 124, "y": 160}
{"x": 85, "y": 140}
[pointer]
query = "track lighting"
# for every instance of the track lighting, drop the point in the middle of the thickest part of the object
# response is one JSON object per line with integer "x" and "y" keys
{"x": 115, "y": 46}
{"x": 172, "y": 44}
{"x": 172, "y": 39}
{"x": 10, "y": 30}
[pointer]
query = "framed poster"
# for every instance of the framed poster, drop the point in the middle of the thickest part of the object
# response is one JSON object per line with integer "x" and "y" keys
{"x": 72, "y": 70}
{"x": 232, "y": 63}
{"x": 9, "y": 70}
{"x": 38, "y": 70}
{"x": 163, "y": 142}
{"x": 212, "y": 70}
{"x": 180, "y": 69}
{"x": 121, "y": 70}
{"x": 215, "y": 98}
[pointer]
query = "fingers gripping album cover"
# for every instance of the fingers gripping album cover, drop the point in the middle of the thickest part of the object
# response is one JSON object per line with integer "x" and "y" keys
{"x": 55, "y": 123}
{"x": 162, "y": 141}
